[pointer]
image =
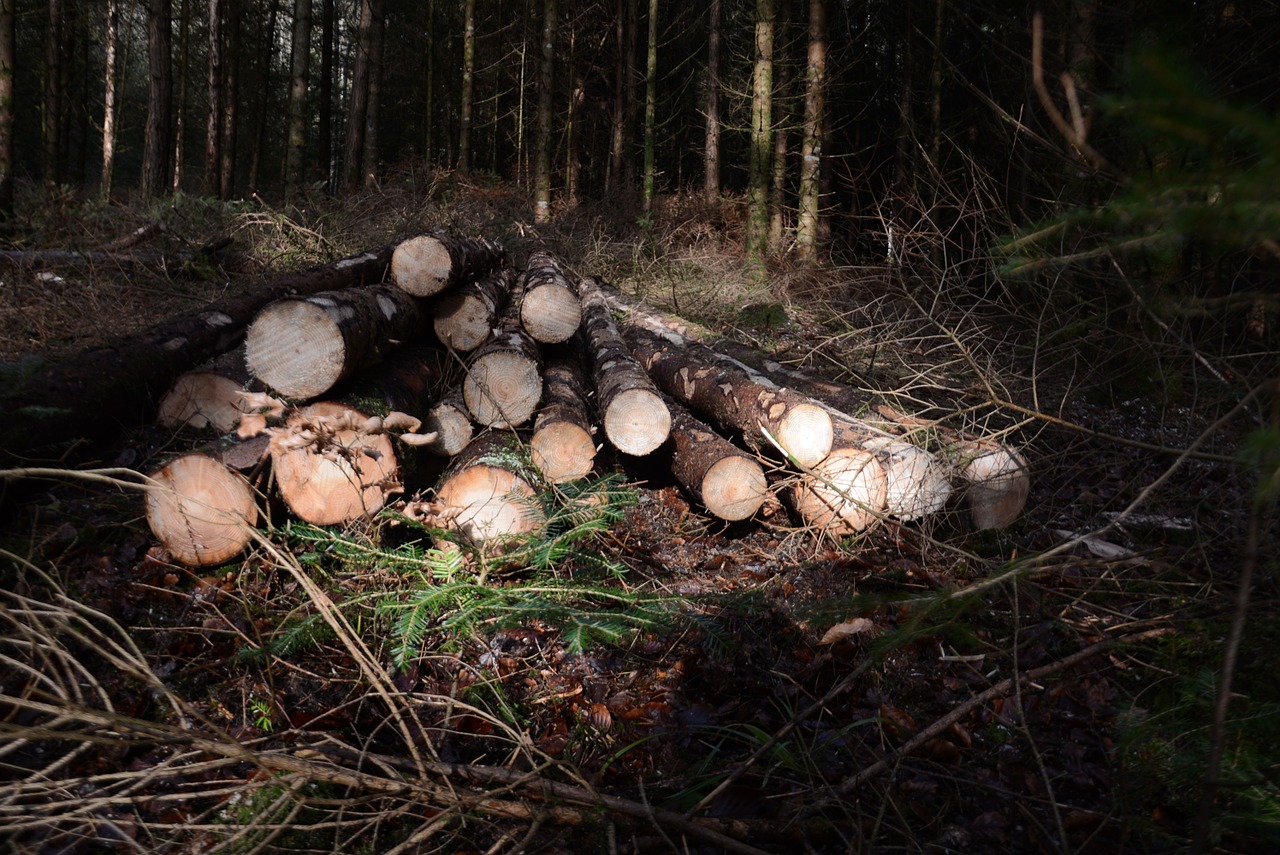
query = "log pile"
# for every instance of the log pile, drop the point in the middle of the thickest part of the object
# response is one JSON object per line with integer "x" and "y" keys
{"x": 520, "y": 378}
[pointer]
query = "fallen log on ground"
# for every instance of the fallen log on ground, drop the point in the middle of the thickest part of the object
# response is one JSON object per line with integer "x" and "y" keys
{"x": 635, "y": 417}
{"x": 450, "y": 421}
{"x": 302, "y": 346}
{"x": 464, "y": 317}
{"x": 201, "y": 508}
{"x": 722, "y": 478}
{"x": 202, "y": 399}
{"x": 842, "y": 494}
{"x": 93, "y": 395}
{"x": 504, "y": 376}
{"x": 562, "y": 445}
{"x": 732, "y": 399}
{"x": 487, "y": 493}
{"x": 330, "y": 468}
{"x": 549, "y": 307}
{"x": 431, "y": 263}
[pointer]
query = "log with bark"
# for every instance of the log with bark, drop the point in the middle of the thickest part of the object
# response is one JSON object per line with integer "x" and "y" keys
{"x": 450, "y": 421}
{"x": 731, "y": 398}
{"x": 330, "y": 466}
{"x": 724, "y": 479}
{"x": 202, "y": 399}
{"x": 504, "y": 376}
{"x": 465, "y": 316}
{"x": 635, "y": 417}
{"x": 549, "y": 307}
{"x": 93, "y": 395}
{"x": 487, "y": 494}
{"x": 200, "y": 507}
{"x": 303, "y": 346}
{"x": 431, "y": 263}
{"x": 562, "y": 445}
{"x": 842, "y": 494}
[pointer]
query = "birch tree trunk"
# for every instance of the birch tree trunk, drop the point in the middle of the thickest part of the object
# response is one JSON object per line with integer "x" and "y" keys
{"x": 296, "y": 144}
{"x": 109, "y": 99}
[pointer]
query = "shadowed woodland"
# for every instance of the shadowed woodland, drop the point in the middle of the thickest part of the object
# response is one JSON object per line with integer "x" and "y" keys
{"x": 614, "y": 427}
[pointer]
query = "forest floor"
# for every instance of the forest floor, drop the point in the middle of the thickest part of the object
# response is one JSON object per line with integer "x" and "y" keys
{"x": 748, "y": 687}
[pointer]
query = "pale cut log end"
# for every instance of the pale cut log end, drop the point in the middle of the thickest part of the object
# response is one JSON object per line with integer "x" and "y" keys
{"x": 489, "y": 504}
{"x": 200, "y": 399}
{"x": 999, "y": 482}
{"x": 421, "y": 266}
{"x": 551, "y": 313}
{"x": 462, "y": 322}
{"x": 344, "y": 475}
{"x": 918, "y": 485}
{"x": 563, "y": 452}
{"x": 637, "y": 422}
{"x": 734, "y": 488}
{"x": 502, "y": 389}
{"x": 201, "y": 511}
{"x": 806, "y": 433}
{"x": 843, "y": 494}
{"x": 452, "y": 427}
{"x": 295, "y": 348}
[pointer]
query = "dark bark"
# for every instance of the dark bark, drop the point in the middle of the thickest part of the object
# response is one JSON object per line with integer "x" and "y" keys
{"x": 465, "y": 316}
{"x": 428, "y": 264}
{"x": 549, "y": 310}
{"x": 373, "y": 112}
{"x": 358, "y": 109}
{"x": 325, "y": 143}
{"x": 562, "y": 445}
{"x": 158, "y": 137}
{"x": 504, "y": 376}
{"x": 230, "y": 90}
{"x": 7, "y": 57}
{"x": 53, "y": 95}
{"x": 213, "y": 118}
{"x": 725, "y": 480}
{"x": 300, "y": 55}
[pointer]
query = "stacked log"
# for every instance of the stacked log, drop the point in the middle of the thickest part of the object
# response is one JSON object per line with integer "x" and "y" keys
{"x": 563, "y": 446}
{"x": 465, "y": 316}
{"x": 549, "y": 308}
{"x": 431, "y": 263}
{"x": 487, "y": 494}
{"x": 722, "y": 478}
{"x": 504, "y": 376}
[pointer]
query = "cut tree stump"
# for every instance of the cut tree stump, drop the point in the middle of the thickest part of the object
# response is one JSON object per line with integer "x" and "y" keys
{"x": 465, "y": 316}
{"x": 731, "y": 398}
{"x": 504, "y": 376}
{"x": 302, "y": 346}
{"x": 487, "y": 494}
{"x": 200, "y": 508}
{"x": 724, "y": 479}
{"x": 842, "y": 494}
{"x": 329, "y": 470}
{"x": 549, "y": 308}
{"x": 428, "y": 264}
{"x": 562, "y": 445}
{"x": 95, "y": 394}
{"x": 634, "y": 414}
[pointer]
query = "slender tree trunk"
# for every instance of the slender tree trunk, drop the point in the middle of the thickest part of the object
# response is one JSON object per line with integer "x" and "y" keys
{"x": 52, "y": 117}
{"x": 213, "y": 122}
{"x": 180, "y": 121}
{"x": 109, "y": 99}
{"x": 158, "y": 141}
{"x": 428, "y": 108}
{"x": 814, "y": 124}
{"x": 935, "y": 89}
{"x": 618, "y": 120}
{"x": 711, "y": 149}
{"x": 7, "y": 56}
{"x": 468, "y": 86}
{"x": 373, "y": 113}
{"x": 546, "y": 83}
{"x": 230, "y": 112}
{"x": 264, "y": 93}
{"x": 299, "y": 59}
{"x": 573, "y": 129}
{"x": 358, "y": 109}
{"x": 757, "y": 226}
{"x": 651, "y": 111}
{"x": 328, "y": 27}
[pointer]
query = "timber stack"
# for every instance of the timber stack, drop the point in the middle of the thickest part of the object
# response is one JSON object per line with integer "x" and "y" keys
{"x": 518, "y": 379}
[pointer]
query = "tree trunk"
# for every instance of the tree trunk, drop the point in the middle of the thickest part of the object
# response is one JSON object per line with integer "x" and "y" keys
{"x": 724, "y": 480}
{"x": 200, "y": 508}
{"x": 617, "y": 119}
{"x": 358, "y": 109}
{"x": 300, "y": 56}
{"x": 328, "y": 30}
{"x": 202, "y": 399}
{"x": 550, "y": 310}
{"x": 842, "y": 494}
{"x": 757, "y": 225}
{"x": 732, "y": 399}
{"x": 180, "y": 114}
{"x": 373, "y": 113}
{"x": 542, "y": 146}
{"x": 711, "y": 149}
{"x": 109, "y": 86}
{"x": 504, "y": 377}
{"x": 7, "y": 58}
{"x": 487, "y": 495}
{"x": 92, "y": 395}
{"x": 651, "y": 112}
{"x": 428, "y": 264}
{"x": 53, "y": 95}
{"x": 465, "y": 316}
{"x": 450, "y": 421}
{"x": 264, "y": 92}
{"x": 158, "y": 142}
{"x": 302, "y": 346}
{"x": 468, "y": 86}
{"x": 230, "y": 94}
{"x": 562, "y": 445}
{"x": 328, "y": 470}
{"x": 213, "y": 123}
{"x": 636, "y": 419}
{"x": 810, "y": 201}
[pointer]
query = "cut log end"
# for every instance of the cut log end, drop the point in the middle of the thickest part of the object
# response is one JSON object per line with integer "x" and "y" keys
{"x": 918, "y": 485}
{"x": 452, "y": 426}
{"x": 734, "y": 488}
{"x": 551, "y": 313}
{"x": 999, "y": 483}
{"x": 200, "y": 399}
{"x": 563, "y": 452}
{"x": 421, "y": 266}
{"x": 637, "y": 421}
{"x": 502, "y": 389}
{"x": 489, "y": 504}
{"x": 296, "y": 348}
{"x": 806, "y": 433}
{"x": 201, "y": 511}
{"x": 462, "y": 322}
{"x": 844, "y": 494}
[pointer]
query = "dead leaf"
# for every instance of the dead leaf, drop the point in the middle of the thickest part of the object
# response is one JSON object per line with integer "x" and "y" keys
{"x": 841, "y": 631}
